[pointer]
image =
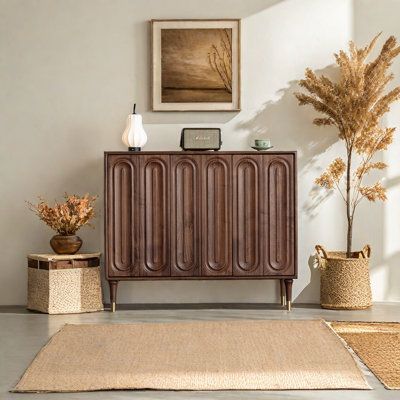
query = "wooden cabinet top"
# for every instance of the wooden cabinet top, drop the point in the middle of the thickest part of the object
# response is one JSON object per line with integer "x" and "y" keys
{"x": 199, "y": 152}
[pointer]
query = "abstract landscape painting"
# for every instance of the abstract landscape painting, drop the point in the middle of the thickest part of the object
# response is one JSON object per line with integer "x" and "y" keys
{"x": 198, "y": 67}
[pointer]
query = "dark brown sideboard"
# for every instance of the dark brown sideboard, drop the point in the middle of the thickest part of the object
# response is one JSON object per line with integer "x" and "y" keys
{"x": 201, "y": 215}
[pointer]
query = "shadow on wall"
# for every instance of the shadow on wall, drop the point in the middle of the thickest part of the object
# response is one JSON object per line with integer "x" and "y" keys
{"x": 393, "y": 262}
{"x": 393, "y": 275}
{"x": 384, "y": 267}
{"x": 290, "y": 127}
{"x": 310, "y": 290}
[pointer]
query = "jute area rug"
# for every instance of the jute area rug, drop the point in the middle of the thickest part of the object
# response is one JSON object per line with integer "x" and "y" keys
{"x": 221, "y": 355}
{"x": 378, "y": 346}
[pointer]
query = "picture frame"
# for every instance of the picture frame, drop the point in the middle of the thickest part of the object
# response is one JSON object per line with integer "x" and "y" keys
{"x": 195, "y": 64}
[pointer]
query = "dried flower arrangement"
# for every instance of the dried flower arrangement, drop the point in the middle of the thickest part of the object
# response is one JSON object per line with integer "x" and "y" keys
{"x": 66, "y": 218}
{"x": 355, "y": 105}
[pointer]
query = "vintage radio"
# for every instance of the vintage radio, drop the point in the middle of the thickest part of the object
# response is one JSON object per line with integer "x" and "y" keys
{"x": 201, "y": 139}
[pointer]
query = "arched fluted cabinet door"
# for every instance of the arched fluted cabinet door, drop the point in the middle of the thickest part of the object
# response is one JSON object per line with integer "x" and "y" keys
{"x": 122, "y": 217}
{"x": 154, "y": 200}
{"x": 185, "y": 215}
{"x": 248, "y": 236}
{"x": 216, "y": 215}
{"x": 279, "y": 222}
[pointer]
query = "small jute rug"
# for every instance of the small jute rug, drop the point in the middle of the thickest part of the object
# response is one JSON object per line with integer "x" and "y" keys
{"x": 220, "y": 355}
{"x": 378, "y": 346}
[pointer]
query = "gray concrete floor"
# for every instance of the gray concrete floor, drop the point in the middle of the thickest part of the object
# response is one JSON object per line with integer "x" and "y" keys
{"x": 23, "y": 333}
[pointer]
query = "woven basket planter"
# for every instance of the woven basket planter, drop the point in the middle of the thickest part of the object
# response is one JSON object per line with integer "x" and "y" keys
{"x": 345, "y": 282}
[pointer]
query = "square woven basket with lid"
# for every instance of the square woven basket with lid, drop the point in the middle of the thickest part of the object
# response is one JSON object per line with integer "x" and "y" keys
{"x": 62, "y": 284}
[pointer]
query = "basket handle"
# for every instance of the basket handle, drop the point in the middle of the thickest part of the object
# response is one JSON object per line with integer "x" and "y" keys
{"x": 366, "y": 251}
{"x": 321, "y": 254}
{"x": 321, "y": 251}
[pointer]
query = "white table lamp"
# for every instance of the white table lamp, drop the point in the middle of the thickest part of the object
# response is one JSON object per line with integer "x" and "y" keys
{"x": 134, "y": 136}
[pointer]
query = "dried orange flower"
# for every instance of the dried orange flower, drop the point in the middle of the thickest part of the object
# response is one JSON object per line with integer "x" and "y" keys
{"x": 365, "y": 168}
{"x": 66, "y": 218}
{"x": 374, "y": 192}
{"x": 325, "y": 181}
{"x": 332, "y": 175}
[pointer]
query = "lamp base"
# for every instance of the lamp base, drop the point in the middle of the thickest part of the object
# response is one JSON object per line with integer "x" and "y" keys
{"x": 135, "y": 148}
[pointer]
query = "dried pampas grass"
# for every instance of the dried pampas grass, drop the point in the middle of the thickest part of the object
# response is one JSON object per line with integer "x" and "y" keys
{"x": 355, "y": 105}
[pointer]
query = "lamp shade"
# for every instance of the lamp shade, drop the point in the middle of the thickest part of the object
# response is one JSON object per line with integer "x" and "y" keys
{"x": 134, "y": 135}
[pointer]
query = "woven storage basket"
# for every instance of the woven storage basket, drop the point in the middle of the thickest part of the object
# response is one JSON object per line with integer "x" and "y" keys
{"x": 64, "y": 284}
{"x": 345, "y": 282}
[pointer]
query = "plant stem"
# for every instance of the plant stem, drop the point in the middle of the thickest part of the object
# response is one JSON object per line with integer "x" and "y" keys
{"x": 348, "y": 204}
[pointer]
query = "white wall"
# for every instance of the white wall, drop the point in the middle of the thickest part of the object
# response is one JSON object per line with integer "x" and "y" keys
{"x": 370, "y": 18}
{"x": 70, "y": 71}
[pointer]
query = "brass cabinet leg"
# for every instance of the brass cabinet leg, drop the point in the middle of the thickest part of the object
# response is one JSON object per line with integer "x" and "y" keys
{"x": 288, "y": 284}
{"x": 283, "y": 292}
{"x": 113, "y": 294}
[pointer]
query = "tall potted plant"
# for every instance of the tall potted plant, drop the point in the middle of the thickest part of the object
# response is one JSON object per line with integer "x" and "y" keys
{"x": 354, "y": 104}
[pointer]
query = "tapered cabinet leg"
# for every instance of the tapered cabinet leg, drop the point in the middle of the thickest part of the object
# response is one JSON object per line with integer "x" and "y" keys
{"x": 288, "y": 284}
{"x": 113, "y": 294}
{"x": 283, "y": 292}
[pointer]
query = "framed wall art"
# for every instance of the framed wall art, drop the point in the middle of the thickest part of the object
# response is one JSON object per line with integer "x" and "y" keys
{"x": 196, "y": 65}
